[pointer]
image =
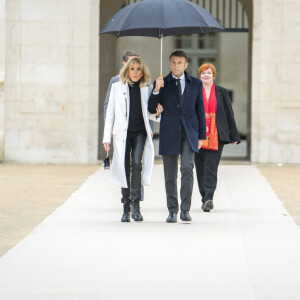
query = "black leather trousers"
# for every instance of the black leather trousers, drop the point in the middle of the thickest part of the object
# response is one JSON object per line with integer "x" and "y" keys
{"x": 133, "y": 168}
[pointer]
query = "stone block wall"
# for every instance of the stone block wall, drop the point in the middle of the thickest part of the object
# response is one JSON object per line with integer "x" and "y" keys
{"x": 275, "y": 81}
{"x": 51, "y": 86}
{"x": 2, "y": 76}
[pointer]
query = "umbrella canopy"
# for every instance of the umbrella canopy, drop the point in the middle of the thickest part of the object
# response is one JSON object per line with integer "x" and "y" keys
{"x": 161, "y": 18}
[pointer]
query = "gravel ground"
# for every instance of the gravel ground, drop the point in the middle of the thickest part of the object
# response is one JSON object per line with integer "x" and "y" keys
{"x": 285, "y": 180}
{"x": 29, "y": 193}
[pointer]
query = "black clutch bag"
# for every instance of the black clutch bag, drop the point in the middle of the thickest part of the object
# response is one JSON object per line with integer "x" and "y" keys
{"x": 106, "y": 163}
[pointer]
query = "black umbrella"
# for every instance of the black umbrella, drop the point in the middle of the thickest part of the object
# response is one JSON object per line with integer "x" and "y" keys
{"x": 161, "y": 18}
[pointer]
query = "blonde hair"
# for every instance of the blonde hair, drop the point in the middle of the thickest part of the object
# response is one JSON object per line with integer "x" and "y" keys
{"x": 145, "y": 80}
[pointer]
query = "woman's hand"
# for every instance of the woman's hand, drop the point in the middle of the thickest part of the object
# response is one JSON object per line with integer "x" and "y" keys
{"x": 106, "y": 146}
{"x": 234, "y": 143}
{"x": 200, "y": 143}
{"x": 159, "y": 110}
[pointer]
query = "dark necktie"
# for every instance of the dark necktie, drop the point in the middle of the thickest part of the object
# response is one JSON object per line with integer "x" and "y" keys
{"x": 179, "y": 87}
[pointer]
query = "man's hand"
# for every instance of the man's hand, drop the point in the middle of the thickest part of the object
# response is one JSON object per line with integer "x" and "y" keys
{"x": 106, "y": 146}
{"x": 200, "y": 143}
{"x": 159, "y": 110}
{"x": 234, "y": 143}
{"x": 159, "y": 84}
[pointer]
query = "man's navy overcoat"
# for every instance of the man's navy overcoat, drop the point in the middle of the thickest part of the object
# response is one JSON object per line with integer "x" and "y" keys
{"x": 191, "y": 117}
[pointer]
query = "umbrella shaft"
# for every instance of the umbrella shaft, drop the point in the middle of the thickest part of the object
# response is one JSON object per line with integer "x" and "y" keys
{"x": 161, "y": 54}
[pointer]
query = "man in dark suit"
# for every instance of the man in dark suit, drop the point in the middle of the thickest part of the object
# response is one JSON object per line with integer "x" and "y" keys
{"x": 182, "y": 130}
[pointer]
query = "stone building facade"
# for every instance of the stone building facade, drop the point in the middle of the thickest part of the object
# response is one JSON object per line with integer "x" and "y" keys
{"x": 54, "y": 73}
{"x": 275, "y": 103}
{"x": 51, "y": 81}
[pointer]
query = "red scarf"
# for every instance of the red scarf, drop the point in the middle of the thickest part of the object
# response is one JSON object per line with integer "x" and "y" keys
{"x": 210, "y": 107}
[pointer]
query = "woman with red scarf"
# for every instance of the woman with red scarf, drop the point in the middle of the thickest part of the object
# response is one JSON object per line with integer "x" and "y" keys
{"x": 220, "y": 130}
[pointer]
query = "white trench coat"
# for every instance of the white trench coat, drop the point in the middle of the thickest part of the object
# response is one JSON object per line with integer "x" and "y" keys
{"x": 116, "y": 123}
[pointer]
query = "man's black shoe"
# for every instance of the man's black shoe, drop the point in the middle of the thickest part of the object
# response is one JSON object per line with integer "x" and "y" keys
{"x": 185, "y": 216}
{"x": 207, "y": 205}
{"x": 172, "y": 218}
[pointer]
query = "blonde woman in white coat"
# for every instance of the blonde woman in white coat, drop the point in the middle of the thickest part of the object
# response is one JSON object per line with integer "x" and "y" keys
{"x": 127, "y": 120}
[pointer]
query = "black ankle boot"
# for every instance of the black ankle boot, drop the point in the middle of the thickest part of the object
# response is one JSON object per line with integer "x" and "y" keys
{"x": 132, "y": 209}
{"x": 126, "y": 212}
{"x": 137, "y": 216}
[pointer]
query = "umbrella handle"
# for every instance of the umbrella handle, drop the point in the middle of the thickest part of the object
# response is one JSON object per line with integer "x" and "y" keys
{"x": 161, "y": 76}
{"x": 161, "y": 56}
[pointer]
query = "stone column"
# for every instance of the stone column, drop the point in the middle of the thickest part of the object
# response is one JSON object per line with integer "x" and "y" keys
{"x": 275, "y": 82}
{"x": 248, "y": 7}
{"x": 2, "y": 76}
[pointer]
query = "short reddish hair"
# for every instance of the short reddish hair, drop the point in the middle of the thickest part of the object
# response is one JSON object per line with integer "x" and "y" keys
{"x": 205, "y": 67}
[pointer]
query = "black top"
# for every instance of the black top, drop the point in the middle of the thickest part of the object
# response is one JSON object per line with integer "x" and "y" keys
{"x": 136, "y": 124}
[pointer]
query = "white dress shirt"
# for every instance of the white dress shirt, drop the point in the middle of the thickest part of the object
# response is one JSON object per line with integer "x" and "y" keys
{"x": 182, "y": 82}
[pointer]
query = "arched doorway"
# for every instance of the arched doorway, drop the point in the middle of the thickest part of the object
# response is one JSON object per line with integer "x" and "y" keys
{"x": 229, "y": 51}
{"x": 107, "y": 60}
